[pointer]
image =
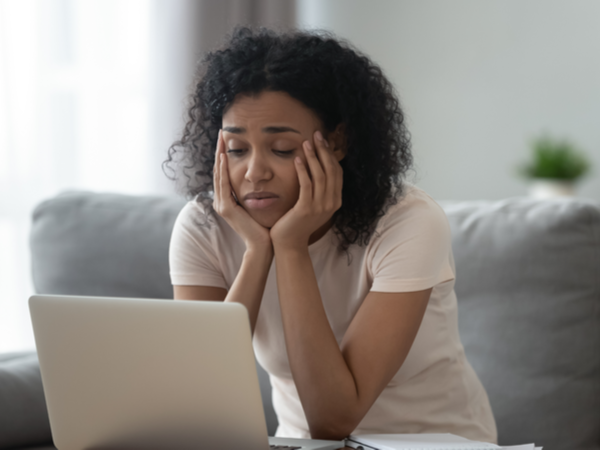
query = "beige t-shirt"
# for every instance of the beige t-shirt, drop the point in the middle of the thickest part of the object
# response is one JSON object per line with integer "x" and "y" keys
{"x": 435, "y": 390}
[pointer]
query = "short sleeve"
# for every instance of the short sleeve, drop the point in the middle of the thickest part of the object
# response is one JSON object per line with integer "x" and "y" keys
{"x": 192, "y": 257}
{"x": 411, "y": 248}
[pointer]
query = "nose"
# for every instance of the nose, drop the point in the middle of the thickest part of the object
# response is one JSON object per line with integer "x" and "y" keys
{"x": 258, "y": 168}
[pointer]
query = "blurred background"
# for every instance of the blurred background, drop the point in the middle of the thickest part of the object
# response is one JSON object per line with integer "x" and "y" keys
{"x": 92, "y": 93}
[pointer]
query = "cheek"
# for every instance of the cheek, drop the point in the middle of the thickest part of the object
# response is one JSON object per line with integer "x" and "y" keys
{"x": 236, "y": 175}
{"x": 292, "y": 185}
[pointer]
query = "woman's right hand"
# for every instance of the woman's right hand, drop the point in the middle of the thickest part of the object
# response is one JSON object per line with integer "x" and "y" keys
{"x": 254, "y": 235}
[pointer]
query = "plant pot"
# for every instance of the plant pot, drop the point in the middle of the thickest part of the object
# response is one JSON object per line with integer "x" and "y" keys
{"x": 544, "y": 188}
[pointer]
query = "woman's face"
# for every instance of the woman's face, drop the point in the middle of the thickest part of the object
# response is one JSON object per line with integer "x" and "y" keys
{"x": 263, "y": 134}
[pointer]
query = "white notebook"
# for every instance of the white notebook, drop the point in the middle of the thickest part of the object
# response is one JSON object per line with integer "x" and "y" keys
{"x": 445, "y": 441}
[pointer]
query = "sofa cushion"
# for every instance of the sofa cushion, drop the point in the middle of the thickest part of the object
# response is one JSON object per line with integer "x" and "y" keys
{"x": 528, "y": 287}
{"x": 23, "y": 416}
{"x": 103, "y": 244}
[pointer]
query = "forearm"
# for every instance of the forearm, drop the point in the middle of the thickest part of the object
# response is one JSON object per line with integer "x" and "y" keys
{"x": 249, "y": 284}
{"x": 325, "y": 384}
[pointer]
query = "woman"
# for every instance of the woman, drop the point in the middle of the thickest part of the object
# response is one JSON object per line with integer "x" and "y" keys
{"x": 294, "y": 152}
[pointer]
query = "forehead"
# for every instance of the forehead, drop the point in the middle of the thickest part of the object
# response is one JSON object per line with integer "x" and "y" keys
{"x": 269, "y": 108}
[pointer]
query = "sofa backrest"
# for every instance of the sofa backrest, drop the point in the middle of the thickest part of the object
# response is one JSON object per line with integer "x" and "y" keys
{"x": 528, "y": 289}
{"x": 110, "y": 245}
{"x": 528, "y": 285}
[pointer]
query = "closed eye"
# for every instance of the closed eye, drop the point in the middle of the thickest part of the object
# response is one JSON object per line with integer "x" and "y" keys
{"x": 284, "y": 152}
{"x": 240, "y": 151}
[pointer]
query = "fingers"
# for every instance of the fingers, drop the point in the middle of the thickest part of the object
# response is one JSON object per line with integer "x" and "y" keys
{"x": 216, "y": 173}
{"x": 329, "y": 164}
{"x": 222, "y": 187}
{"x": 225, "y": 185}
{"x": 332, "y": 174}
{"x": 305, "y": 197}
{"x": 316, "y": 170}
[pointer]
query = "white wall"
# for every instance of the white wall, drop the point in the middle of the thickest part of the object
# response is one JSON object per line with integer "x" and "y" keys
{"x": 479, "y": 79}
{"x": 92, "y": 94}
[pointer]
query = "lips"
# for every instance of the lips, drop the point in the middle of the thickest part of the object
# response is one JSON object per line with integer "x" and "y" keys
{"x": 260, "y": 200}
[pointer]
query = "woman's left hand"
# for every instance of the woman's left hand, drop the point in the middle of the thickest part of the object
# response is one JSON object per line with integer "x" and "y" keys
{"x": 319, "y": 197}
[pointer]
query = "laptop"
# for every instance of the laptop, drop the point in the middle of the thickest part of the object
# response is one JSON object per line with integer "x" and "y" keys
{"x": 126, "y": 374}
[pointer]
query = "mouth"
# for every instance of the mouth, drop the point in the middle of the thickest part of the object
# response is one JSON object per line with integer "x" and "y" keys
{"x": 260, "y": 200}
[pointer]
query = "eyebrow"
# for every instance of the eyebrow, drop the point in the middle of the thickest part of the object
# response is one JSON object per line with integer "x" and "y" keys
{"x": 269, "y": 130}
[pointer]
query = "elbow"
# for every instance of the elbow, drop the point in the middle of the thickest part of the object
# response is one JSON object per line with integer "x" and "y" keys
{"x": 333, "y": 430}
{"x": 329, "y": 434}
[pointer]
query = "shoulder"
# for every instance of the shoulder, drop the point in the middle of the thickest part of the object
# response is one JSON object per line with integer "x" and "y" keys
{"x": 414, "y": 212}
{"x": 194, "y": 213}
{"x": 197, "y": 222}
{"x": 198, "y": 248}
{"x": 412, "y": 246}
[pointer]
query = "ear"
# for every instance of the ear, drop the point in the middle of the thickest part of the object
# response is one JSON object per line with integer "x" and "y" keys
{"x": 337, "y": 141}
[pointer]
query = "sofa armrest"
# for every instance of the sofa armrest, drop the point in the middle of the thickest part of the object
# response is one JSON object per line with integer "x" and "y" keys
{"x": 23, "y": 414}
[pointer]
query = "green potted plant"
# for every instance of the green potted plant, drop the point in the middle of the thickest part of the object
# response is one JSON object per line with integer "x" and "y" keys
{"x": 555, "y": 168}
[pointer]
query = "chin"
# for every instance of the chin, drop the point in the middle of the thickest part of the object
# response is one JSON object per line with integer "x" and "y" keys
{"x": 265, "y": 220}
{"x": 267, "y": 223}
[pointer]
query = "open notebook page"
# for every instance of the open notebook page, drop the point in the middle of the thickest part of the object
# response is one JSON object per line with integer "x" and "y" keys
{"x": 445, "y": 441}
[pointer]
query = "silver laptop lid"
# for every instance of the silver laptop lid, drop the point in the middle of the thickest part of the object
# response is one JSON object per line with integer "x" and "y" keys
{"x": 137, "y": 373}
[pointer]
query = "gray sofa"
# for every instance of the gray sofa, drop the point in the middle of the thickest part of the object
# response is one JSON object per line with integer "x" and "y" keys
{"x": 528, "y": 284}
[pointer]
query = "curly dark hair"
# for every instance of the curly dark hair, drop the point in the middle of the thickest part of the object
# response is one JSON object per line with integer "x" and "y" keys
{"x": 337, "y": 82}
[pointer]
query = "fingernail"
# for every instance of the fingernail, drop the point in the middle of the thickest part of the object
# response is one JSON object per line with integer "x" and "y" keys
{"x": 319, "y": 136}
{"x": 307, "y": 145}
{"x": 298, "y": 160}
